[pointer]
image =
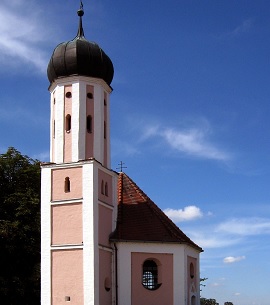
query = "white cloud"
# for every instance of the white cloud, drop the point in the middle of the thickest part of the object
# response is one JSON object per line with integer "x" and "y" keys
{"x": 228, "y": 233}
{"x": 188, "y": 213}
{"x": 245, "y": 226}
{"x": 233, "y": 259}
{"x": 120, "y": 147}
{"x": 216, "y": 284}
{"x": 149, "y": 131}
{"x": 21, "y": 32}
{"x": 42, "y": 156}
{"x": 212, "y": 241}
{"x": 23, "y": 116}
{"x": 240, "y": 29}
{"x": 193, "y": 141}
{"x": 244, "y": 27}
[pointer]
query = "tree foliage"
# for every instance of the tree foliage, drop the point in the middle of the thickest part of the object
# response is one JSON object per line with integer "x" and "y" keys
{"x": 202, "y": 280}
{"x": 19, "y": 229}
{"x": 204, "y": 301}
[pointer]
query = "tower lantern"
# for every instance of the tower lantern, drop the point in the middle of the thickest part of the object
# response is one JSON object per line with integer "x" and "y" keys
{"x": 80, "y": 74}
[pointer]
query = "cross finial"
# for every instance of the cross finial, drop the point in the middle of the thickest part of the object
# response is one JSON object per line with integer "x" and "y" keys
{"x": 80, "y": 13}
{"x": 121, "y": 164}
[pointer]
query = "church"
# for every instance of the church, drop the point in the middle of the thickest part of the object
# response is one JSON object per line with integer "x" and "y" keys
{"x": 103, "y": 240}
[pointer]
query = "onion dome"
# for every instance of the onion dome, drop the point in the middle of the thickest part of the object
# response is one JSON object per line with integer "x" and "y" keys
{"x": 80, "y": 57}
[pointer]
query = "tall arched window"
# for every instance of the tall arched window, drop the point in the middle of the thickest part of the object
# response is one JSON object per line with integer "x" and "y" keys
{"x": 191, "y": 270}
{"x": 107, "y": 284}
{"x": 102, "y": 187}
{"x": 67, "y": 185}
{"x": 105, "y": 130}
{"x": 150, "y": 275}
{"x": 106, "y": 189}
{"x": 89, "y": 124}
{"x": 53, "y": 128}
{"x": 68, "y": 123}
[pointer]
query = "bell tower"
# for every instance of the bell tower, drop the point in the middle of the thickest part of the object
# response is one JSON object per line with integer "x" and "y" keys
{"x": 78, "y": 189}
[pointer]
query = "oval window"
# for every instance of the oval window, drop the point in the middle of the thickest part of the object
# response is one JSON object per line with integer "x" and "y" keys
{"x": 68, "y": 94}
{"x": 89, "y": 95}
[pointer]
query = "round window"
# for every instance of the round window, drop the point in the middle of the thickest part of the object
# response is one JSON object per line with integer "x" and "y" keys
{"x": 68, "y": 94}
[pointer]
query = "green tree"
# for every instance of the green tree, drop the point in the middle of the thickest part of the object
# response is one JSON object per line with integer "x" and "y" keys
{"x": 202, "y": 280}
{"x": 19, "y": 229}
{"x": 204, "y": 301}
{"x": 228, "y": 303}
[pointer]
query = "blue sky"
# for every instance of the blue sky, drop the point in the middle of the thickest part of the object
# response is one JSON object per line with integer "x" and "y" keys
{"x": 189, "y": 115}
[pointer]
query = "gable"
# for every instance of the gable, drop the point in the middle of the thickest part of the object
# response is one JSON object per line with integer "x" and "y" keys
{"x": 140, "y": 219}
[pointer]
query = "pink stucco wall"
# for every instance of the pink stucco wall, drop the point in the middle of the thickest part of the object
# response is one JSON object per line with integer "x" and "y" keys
{"x": 58, "y": 183}
{"x": 102, "y": 176}
{"x": 67, "y": 224}
{"x": 164, "y": 294}
{"x": 68, "y": 135}
{"x": 67, "y": 277}
{"x": 105, "y": 215}
{"x": 89, "y": 147}
{"x": 105, "y": 277}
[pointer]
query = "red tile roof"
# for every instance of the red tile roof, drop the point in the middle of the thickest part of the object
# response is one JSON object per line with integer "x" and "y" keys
{"x": 140, "y": 219}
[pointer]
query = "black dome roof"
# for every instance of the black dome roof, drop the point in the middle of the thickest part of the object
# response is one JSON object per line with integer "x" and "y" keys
{"x": 80, "y": 57}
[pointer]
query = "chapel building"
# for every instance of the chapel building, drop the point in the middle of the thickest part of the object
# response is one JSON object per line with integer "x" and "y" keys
{"x": 103, "y": 240}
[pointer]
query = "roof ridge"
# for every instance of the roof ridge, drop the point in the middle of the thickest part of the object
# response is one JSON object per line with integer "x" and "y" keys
{"x": 172, "y": 227}
{"x": 120, "y": 187}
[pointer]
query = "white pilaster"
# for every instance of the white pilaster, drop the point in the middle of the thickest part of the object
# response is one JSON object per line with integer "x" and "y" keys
{"x": 59, "y": 124}
{"x": 179, "y": 277}
{"x": 90, "y": 235}
{"x": 46, "y": 236}
{"x": 75, "y": 121}
{"x": 82, "y": 121}
{"x": 108, "y": 132}
{"x": 98, "y": 123}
